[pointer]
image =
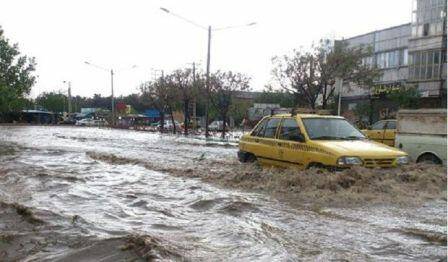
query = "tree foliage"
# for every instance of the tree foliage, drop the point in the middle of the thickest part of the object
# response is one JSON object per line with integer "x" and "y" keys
{"x": 406, "y": 97}
{"x": 52, "y": 101}
{"x": 281, "y": 97}
{"x": 223, "y": 86}
{"x": 312, "y": 74}
{"x": 16, "y": 76}
{"x": 162, "y": 96}
{"x": 183, "y": 83}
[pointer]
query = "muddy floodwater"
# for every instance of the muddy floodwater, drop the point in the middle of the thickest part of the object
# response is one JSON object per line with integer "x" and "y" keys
{"x": 89, "y": 194}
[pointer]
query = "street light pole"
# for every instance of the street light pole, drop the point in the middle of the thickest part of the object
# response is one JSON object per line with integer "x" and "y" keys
{"x": 194, "y": 98}
{"x": 111, "y": 85}
{"x": 207, "y": 81}
{"x": 339, "y": 84}
{"x": 209, "y": 29}
{"x": 69, "y": 97}
{"x": 112, "y": 96}
{"x": 69, "y": 93}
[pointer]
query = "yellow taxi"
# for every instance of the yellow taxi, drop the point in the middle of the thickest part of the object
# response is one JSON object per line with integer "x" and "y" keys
{"x": 383, "y": 131}
{"x": 311, "y": 140}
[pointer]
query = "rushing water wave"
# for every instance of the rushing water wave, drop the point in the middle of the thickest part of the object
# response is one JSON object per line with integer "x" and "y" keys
{"x": 71, "y": 193}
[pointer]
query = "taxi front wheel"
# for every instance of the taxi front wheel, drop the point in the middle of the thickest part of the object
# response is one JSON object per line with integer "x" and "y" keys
{"x": 246, "y": 157}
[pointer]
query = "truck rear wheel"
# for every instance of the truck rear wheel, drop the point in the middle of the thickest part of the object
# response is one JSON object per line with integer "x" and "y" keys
{"x": 429, "y": 159}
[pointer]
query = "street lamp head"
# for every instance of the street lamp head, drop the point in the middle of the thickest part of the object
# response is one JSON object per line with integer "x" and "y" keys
{"x": 251, "y": 24}
{"x": 85, "y": 62}
{"x": 164, "y": 10}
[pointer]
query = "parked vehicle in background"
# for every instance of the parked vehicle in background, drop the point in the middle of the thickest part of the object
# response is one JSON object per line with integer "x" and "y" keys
{"x": 422, "y": 134}
{"x": 310, "y": 140}
{"x": 259, "y": 110}
{"x": 84, "y": 122}
{"x": 67, "y": 121}
{"x": 382, "y": 131}
{"x": 167, "y": 124}
{"x": 217, "y": 126}
{"x": 91, "y": 122}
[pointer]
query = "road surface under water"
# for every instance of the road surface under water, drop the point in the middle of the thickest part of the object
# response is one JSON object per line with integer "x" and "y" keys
{"x": 54, "y": 171}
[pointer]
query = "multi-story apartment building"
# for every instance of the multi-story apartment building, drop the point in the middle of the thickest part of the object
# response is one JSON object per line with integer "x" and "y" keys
{"x": 409, "y": 54}
{"x": 427, "y": 49}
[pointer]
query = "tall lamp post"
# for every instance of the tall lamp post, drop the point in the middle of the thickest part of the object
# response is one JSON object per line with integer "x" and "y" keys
{"x": 69, "y": 92}
{"x": 207, "y": 72}
{"x": 111, "y": 86}
{"x": 194, "y": 64}
{"x": 339, "y": 86}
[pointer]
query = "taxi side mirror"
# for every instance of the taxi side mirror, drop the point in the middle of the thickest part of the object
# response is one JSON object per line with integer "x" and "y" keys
{"x": 369, "y": 128}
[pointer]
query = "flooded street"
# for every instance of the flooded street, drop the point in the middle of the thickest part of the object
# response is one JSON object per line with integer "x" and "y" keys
{"x": 120, "y": 195}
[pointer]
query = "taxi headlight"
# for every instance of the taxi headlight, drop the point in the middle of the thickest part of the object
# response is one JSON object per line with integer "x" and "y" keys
{"x": 402, "y": 160}
{"x": 349, "y": 161}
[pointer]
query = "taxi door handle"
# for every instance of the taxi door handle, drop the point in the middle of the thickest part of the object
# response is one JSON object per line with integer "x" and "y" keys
{"x": 257, "y": 140}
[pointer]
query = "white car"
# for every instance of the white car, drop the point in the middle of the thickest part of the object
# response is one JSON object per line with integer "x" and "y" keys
{"x": 168, "y": 124}
{"x": 91, "y": 122}
{"x": 422, "y": 134}
{"x": 218, "y": 126}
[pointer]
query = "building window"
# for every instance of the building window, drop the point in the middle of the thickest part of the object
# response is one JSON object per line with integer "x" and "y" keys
{"x": 428, "y": 18}
{"x": 425, "y": 65}
{"x": 404, "y": 57}
{"x": 367, "y": 61}
{"x": 391, "y": 59}
{"x": 425, "y": 29}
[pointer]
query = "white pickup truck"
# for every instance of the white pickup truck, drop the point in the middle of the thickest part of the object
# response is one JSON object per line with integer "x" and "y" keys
{"x": 422, "y": 134}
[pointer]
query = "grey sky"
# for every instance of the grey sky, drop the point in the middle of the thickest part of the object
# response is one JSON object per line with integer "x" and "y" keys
{"x": 118, "y": 34}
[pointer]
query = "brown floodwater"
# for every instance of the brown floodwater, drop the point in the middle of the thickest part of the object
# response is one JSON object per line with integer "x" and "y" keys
{"x": 70, "y": 194}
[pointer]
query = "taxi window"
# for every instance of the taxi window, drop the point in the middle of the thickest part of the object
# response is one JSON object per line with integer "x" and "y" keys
{"x": 271, "y": 127}
{"x": 289, "y": 129}
{"x": 259, "y": 130}
{"x": 391, "y": 125}
{"x": 379, "y": 125}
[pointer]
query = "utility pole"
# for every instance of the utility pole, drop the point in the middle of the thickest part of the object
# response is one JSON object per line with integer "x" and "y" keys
{"x": 69, "y": 97}
{"x": 339, "y": 84}
{"x": 111, "y": 86}
{"x": 207, "y": 81}
{"x": 112, "y": 97}
{"x": 209, "y": 29}
{"x": 194, "y": 99}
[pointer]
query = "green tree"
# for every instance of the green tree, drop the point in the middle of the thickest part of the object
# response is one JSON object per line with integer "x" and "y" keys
{"x": 52, "y": 101}
{"x": 16, "y": 76}
{"x": 161, "y": 96}
{"x": 184, "y": 83}
{"x": 281, "y": 97}
{"x": 223, "y": 87}
{"x": 312, "y": 74}
{"x": 238, "y": 109}
{"x": 406, "y": 97}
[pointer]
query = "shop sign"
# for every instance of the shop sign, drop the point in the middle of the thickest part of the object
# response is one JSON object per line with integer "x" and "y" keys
{"x": 383, "y": 89}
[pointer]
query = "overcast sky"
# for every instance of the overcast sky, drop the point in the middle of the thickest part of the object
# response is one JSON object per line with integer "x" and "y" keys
{"x": 62, "y": 34}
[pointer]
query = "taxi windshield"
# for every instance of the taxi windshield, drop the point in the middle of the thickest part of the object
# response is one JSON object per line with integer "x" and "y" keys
{"x": 331, "y": 129}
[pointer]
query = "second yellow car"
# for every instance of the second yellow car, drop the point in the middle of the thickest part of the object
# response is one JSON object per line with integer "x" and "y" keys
{"x": 383, "y": 131}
